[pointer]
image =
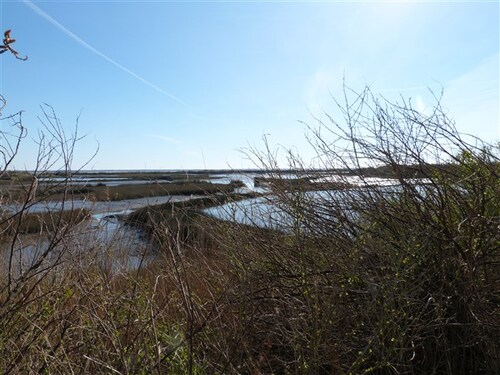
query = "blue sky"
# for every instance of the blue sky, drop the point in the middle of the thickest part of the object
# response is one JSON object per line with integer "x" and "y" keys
{"x": 181, "y": 85}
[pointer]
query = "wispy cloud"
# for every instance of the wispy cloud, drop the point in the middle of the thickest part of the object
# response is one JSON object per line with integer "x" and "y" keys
{"x": 317, "y": 92}
{"x": 403, "y": 89}
{"x": 167, "y": 139}
{"x": 181, "y": 147}
{"x": 191, "y": 153}
{"x": 421, "y": 105}
{"x": 473, "y": 100}
{"x": 84, "y": 44}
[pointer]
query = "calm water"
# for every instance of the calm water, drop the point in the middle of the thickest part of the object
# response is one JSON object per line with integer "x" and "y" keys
{"x": 100, "y": 207}
{"x": 118, "y": 247}
{"x": 111, "y": 244}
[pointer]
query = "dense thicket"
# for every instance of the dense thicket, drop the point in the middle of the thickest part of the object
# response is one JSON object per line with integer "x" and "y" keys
{"x": 399, "y": 279}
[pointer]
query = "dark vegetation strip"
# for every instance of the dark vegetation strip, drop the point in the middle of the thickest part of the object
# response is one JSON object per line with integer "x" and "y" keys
{"x": 183, "y": 221}
{"x": 300, "y": 184}
{"x": 154, "y": 176}
{"x": 384, "y": 171}
{"x": 45, "y": 222}
{"x": 122, "y": 192}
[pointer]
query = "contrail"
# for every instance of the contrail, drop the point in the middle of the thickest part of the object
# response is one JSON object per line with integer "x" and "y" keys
{"x": 99, "y": 53}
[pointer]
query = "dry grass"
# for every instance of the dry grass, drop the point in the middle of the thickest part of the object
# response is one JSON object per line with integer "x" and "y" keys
{"x": 102, "y": 192}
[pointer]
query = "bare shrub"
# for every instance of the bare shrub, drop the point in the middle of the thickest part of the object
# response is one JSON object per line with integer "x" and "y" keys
{"x": 401, "y": 278}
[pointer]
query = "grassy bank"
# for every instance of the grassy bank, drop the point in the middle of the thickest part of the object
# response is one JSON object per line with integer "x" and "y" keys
{"x": 182, "y": 222}
{"x": 41, "y": 223}
{"x": 101, "y": 192}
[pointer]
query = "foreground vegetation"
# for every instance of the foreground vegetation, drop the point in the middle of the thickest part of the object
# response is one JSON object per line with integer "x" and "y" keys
{"x": 368, "y": 280}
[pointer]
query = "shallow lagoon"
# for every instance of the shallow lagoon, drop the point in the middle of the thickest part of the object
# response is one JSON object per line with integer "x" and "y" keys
{"x": 124, "y": 247}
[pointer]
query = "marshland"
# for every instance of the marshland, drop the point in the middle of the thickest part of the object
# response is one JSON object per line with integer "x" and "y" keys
{"x": 385, "y": 268}
{"x": 364, "y": 239}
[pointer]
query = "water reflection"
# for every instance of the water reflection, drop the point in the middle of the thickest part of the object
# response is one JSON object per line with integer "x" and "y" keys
{"x": 103, "y": 239}
{"x": 99, "y": 206}
{"x": 297, "y": 208}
